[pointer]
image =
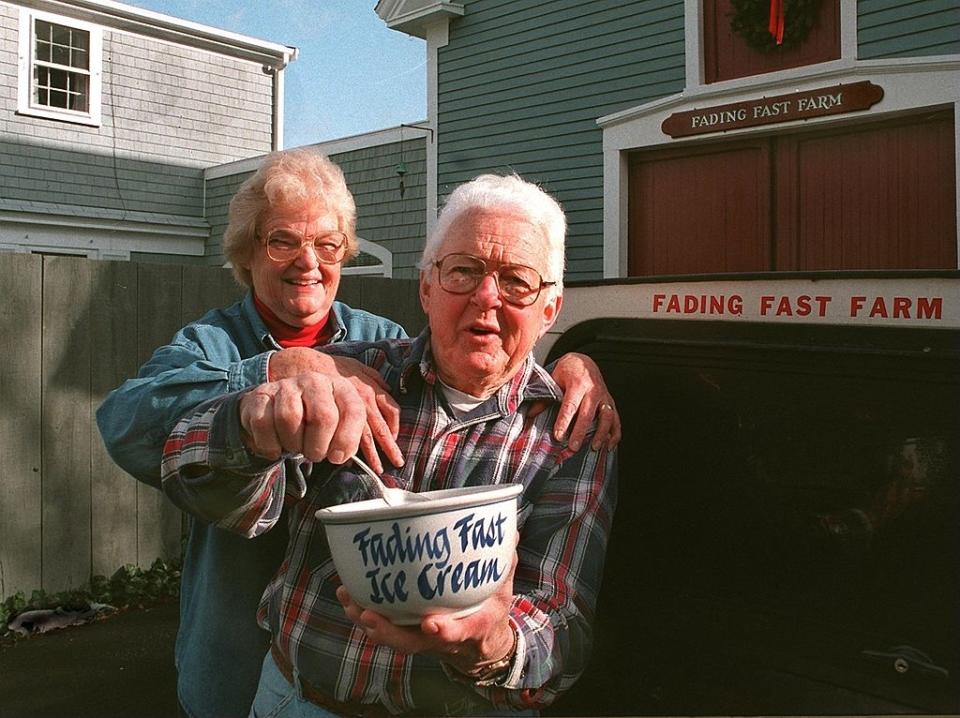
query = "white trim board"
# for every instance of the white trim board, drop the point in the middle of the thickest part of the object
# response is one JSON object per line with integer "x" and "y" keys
{"x": 99, "y": 237}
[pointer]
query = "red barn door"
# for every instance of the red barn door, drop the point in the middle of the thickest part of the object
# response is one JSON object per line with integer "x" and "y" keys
{"x": 871, "y": 196}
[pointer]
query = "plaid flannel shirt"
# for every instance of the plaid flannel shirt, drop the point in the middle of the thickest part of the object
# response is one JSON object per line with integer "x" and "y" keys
{"x": 565, "y": 516}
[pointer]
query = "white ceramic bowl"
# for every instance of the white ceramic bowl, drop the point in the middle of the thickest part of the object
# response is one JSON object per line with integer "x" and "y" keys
{"x": 445, "y": 555}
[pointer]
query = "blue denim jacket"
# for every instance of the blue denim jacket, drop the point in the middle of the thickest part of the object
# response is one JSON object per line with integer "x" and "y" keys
{"x": 219, "y": 646}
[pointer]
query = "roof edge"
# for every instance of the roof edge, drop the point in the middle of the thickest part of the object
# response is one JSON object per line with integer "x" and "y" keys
{"x": 374, "y": 138}
{"x": 414, "y": 17}
{"x": 109, "y": 13}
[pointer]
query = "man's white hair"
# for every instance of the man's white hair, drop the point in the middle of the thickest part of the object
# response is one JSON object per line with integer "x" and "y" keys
{"x": 509, "y": 193}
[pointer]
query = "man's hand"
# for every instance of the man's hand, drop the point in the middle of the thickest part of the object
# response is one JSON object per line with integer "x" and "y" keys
{"x": 585, "y": 396}
{"x": 466, "y": 643}
{"x": 382, "y": 412}
{"x": 312, "y": 414}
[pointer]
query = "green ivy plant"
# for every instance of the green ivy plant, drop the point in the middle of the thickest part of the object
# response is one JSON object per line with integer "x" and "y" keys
{"x": 130, "y": 586}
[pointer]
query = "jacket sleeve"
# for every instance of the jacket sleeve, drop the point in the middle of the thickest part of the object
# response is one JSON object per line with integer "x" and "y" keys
{"x": 207, "y": 471}
{"x": 198, "y": 365}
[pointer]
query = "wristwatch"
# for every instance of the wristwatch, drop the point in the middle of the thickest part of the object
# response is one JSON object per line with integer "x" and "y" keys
{"x": 489, "y": 673}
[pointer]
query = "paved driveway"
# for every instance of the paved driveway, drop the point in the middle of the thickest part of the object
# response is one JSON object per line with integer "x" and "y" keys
{"x": 119, "y": 667}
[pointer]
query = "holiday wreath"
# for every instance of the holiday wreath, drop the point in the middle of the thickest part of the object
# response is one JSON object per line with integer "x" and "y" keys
{"x": 768, "y": 24}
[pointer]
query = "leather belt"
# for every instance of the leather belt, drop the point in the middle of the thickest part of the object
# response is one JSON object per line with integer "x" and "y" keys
{"x": 353, "y": 709}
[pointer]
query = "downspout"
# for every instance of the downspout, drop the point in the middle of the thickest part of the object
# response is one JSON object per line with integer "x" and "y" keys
{"x": 276, "y": 73}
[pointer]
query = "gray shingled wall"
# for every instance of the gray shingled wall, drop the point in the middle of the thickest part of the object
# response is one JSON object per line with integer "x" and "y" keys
{"x": 383, "y": 216}
{"x": 168, "y": 112}
{"x": 219, "y": 192}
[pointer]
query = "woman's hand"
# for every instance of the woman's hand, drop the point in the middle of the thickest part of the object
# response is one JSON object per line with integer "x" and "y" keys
{"x": 312, "y": 414}
{"x": 585, "y": 396}
{"x": 382, "y": 412}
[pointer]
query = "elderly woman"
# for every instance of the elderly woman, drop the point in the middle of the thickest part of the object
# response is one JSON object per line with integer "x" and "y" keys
{"x": 291, "y": 227}
{"x": 491, "y": 285}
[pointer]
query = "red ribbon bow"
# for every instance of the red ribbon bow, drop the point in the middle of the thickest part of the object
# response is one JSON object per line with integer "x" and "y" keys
{"x": 778, "y": 15}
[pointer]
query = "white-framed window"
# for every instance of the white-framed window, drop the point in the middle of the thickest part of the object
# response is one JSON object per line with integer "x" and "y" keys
{"x": 60, "y": 63}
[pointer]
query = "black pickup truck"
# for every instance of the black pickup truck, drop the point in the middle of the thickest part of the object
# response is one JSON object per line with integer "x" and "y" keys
{"x": 788, "y": 531}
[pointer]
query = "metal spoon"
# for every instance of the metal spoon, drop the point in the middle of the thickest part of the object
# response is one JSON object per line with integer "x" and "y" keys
{"x": 391, "y": 496}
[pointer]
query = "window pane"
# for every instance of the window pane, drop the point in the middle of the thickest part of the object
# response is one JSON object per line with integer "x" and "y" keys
{"x": 60, "y": 55}
{"x": 79, "y": 58}
{"x": 58, "y": 79}
{"x": 78, "y": 92}
{"x": 44, "y": 31}
{"x": 58, "y": 98}
{"x": 81, "y": 40}
{"x": 41, "y": 78}
{"x": 61, "y": 35}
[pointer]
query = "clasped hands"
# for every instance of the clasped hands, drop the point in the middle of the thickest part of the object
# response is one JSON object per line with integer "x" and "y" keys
{"x": 321, "y": 406}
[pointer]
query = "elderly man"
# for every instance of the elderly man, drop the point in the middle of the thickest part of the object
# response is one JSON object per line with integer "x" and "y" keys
{"x": 291, "y": 227}
{"x": 491, "y": 285}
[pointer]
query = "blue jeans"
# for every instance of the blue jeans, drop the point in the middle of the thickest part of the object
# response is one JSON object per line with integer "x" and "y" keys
{"x": 276, "y": 698}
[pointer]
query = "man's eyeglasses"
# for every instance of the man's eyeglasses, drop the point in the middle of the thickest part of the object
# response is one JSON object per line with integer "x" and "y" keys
{"x": 518, "y": 284}
{"x": 284, "y": 245}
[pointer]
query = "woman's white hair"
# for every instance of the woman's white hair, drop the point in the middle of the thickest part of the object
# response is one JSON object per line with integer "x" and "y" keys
{"x": 509, "y": 193}
{"x": 297, "y": 178}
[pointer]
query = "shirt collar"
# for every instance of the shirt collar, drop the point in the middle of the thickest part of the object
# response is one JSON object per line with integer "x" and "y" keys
{"x": 335, "y": 322}
{"x": 337, "y": 329}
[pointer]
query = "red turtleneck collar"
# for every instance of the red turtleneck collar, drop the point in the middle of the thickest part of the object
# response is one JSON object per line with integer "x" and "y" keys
{"x": 290, "y": 336}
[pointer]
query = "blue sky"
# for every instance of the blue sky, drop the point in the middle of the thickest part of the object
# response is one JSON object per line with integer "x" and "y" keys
{"x": 353, "y": 74}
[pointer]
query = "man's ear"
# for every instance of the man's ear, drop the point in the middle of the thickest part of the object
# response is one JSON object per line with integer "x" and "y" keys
{"x": 551, "y": 308}
{"x": 424, "y": 291}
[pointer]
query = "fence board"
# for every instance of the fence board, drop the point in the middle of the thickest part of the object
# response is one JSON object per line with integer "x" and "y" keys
{"x": 205, "y": 288}
{"x": 66, "y": 427}
{"x": 113, "y": 337}
{"x": 20, "y": 417}
{"x": 158, "y": 312}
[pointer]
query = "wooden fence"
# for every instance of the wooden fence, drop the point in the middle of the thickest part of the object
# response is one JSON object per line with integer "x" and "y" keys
{"x": 73, "y": 329}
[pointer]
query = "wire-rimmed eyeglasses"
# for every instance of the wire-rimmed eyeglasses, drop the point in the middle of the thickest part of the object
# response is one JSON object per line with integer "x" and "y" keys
{"x": 518, "y": 284}
{"x": 284, "y": 245}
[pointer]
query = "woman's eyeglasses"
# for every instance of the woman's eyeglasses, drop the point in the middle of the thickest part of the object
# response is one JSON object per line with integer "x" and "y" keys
{"x": 518, "y": 284}
{"x": 284, "y": 245}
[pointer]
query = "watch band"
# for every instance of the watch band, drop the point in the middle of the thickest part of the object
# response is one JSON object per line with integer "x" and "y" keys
{"x": 491, "y": 672}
